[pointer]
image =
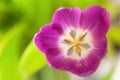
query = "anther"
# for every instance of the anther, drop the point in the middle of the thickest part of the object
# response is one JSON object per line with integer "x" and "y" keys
{"x": 72, "y": 35}
{"x": 78, "y": 49}
{"x": 81, "y": 38}
{"x": 83, "y": 44}
{"x": 67, "y": 40}
{"x": 70, "y": 48}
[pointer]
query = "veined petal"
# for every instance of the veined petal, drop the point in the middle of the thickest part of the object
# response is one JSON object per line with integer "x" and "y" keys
{"x": 48, "y": 37}
{"x": 81, "y": 68}
{"x": 100, "y": 46}
{"x": 54, "y": 58}
{"x": 95, "y": 18}
{"x": 90, "y": 63}
{"x": 57, "y": 60}
{"x": 92, "y": 60}
{"x": 67, "y": 17}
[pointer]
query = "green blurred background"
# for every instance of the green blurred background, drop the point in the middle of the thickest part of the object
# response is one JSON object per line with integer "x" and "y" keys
{"x": 21, "y": 60}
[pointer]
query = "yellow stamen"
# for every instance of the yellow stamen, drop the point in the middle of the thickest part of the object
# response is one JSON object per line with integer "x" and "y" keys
{"x": 83, "y": 44}
{"x": 78, "y": 49}
{"x": 71, "y": 34}
{"x": 70, "y": 48}
{"x": 67, "y": 40}
{"x": 81, "y": 38}
{"x": 76, "y": 43}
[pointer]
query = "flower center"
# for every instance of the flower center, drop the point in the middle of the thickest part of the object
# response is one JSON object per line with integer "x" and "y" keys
{"x": 76, "y": 43}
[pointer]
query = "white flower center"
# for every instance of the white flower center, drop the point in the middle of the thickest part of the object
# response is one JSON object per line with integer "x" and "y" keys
{"x": 75, "y": 43}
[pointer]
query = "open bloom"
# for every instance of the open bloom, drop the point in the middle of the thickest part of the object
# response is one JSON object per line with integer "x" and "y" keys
{"x": 75, "y": 40}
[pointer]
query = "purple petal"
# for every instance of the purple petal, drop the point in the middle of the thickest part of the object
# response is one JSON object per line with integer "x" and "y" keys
{"x": 93, "y": 59}
{"x": 54, "y": 58}
{"x": 67, "y": 17}
{"x": 95, "y": 18}
{"x": 48, "y": 37}
{"x": 57, "y": 60}
{"x": 82, "y": 68}
{"x": 100, "y": 46}
{"x": 90, "y": 63}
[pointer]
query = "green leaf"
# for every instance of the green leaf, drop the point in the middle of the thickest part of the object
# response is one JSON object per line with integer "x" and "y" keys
{"x": 114, "y": 33}
{"x": 9, "y": 46}
{"x": 111, "y": 50}
{"x": 48, "y": 73}
{"x": 1, "y": 34}
{"x": 11, "y": 35}
{"x": 31, "y": 61}
{"x": 81, "y": 3}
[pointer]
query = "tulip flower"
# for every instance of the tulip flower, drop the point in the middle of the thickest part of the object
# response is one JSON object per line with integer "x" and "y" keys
{"x": 75, "y": 40}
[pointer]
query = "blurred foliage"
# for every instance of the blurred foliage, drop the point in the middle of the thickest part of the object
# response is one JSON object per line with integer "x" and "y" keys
{"x": 114, "y": 34}
{"x": 21, "y": 19}
{"x": 51, "y": 74}
{"x": 31, "y": 61}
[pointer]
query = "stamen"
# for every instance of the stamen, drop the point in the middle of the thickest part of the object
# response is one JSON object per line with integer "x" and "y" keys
{"x": 78, "y": 49}
{"x": 72, "y": 35}
{"x": 67, "y": 40}
{"x": 70, "y": 48}
{"x": 70, "y": 52}
{"x": 83, "y": 44}
{"x": 76, "y": 43}
{"x": 81, "y": 38}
